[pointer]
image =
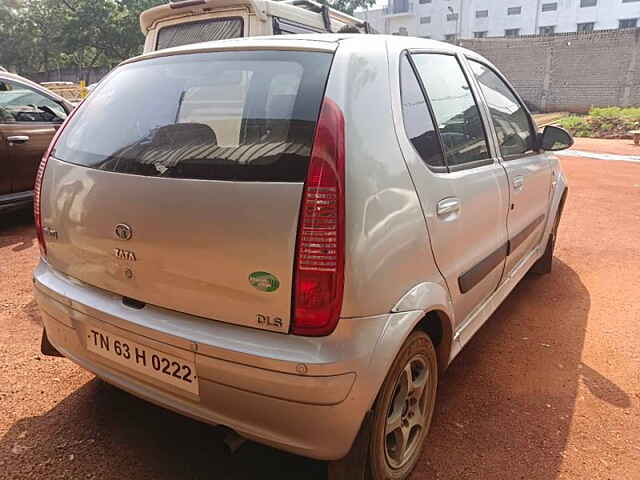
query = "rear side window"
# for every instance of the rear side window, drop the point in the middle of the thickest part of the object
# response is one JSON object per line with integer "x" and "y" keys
{"x": 417, "y": 119}
{"x": 509, "y": 117}
{"x": 212, "y": 116}
{"x": 454, "y": 107}
{"x": 203, "y": 31}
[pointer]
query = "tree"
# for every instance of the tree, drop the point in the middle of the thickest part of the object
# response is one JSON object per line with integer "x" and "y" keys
{"x": 349, "y": 6}
{"x": 44, "y": 35}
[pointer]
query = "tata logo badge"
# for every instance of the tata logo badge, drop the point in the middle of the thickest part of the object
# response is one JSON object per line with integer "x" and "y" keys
{"x": 264, "y": 281}
{"x": 124, "y": 254}
{"x": 123, "y": 231}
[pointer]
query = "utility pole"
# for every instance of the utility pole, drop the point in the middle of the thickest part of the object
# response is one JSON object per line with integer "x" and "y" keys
{"x": 459, "y": 26}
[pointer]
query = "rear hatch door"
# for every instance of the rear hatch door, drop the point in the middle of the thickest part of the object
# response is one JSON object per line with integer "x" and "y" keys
{"x": 178, "y": 183}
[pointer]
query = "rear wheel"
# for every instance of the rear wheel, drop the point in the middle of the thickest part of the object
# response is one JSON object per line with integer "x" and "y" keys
{"x": 545, "y": 262}
{"x": 400, "y": 420}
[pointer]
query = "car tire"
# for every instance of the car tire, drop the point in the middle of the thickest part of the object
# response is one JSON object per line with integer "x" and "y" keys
{"x": 392, "y": 435}
{"x": 408, "y": 394}
{"x": 545, "y": 263}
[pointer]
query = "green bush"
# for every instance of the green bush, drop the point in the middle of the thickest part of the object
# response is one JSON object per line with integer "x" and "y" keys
{"x": 608, "y": 122}
{"x": 577, "y": 126}
{"x": 631, "y": 113}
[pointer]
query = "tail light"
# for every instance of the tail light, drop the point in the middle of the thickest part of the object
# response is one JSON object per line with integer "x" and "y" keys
{"x": 37, "y": 189}
{"x": 319, "y": 270}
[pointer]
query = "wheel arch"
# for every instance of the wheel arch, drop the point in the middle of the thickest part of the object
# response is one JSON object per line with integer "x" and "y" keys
{"x": 437, "y": 324}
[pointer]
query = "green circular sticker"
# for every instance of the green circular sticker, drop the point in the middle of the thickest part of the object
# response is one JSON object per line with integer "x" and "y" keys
{"x": 264, "y": 281}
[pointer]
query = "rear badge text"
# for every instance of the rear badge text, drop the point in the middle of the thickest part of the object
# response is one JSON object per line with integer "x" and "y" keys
{"x": 124, "y": 254}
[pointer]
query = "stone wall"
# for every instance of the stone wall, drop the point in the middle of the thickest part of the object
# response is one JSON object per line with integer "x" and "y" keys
{"x": 569, "y": 72}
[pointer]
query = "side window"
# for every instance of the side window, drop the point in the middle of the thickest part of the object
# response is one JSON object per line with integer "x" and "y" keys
{"x": 510, "y": 119}
{"x": 454, "y": 107}
{"x": 283, "y": 26}
{"x": 19, "y": 103}
{"x": 417, "y": 120}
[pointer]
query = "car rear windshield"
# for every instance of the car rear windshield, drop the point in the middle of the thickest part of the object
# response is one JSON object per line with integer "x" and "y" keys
{"x": 246, "y": 116}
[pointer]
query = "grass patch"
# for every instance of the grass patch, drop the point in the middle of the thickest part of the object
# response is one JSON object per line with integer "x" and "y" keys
{"x": 609, "y": 122}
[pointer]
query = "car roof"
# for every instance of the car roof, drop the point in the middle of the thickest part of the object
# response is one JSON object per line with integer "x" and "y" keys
{"x": 315, "y": 41}
{"x": 33, "y": 85}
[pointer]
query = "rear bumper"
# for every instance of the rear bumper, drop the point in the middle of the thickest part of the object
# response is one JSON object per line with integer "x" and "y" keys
{"x": 304, "y": 395}
{"x": 16, "y": 201}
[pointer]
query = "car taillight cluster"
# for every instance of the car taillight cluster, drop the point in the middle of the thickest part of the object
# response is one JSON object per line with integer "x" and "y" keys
{"x": 37, "y": 189}
{"x": 319, "y": 271}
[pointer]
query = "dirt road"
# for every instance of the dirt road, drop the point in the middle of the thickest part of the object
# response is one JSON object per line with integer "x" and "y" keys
{"x": 548, "y": 389}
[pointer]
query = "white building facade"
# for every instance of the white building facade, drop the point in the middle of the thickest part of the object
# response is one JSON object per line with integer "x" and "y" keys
{"x": 453, "y": 19}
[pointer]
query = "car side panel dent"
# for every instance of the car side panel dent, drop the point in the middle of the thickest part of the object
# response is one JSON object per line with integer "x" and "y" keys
{"x": 423, "y": 296}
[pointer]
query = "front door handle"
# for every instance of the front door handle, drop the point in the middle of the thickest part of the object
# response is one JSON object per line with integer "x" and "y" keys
{"x": 448, "y": 208}
{"x": 17, "y": 139}
{"x": 518, "y": 182}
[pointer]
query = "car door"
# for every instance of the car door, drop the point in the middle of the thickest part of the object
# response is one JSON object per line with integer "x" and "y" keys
{"x": 5, "y": 168}
{"x": 28, "y": 121}
{"x": 528, "y": 169}
{"x": 462, "y": 188}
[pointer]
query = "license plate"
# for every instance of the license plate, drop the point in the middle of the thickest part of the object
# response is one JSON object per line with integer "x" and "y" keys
{"x": 153, "y": 363}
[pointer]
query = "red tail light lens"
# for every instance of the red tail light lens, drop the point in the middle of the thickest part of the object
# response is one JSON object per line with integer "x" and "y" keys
{"x": 36, "y": 204}
{"x": 319, "y": 273}
{"x": 37, "y": 189}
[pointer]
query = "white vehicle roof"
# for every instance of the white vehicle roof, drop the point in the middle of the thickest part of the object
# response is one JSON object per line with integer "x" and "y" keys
{"x": 261, "y": 8}
{"x": 319, "y": 42}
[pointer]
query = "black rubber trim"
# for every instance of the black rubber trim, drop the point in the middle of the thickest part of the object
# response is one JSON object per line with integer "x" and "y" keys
{"x": 472, "y": 277}
{"x": 523, "y": 234}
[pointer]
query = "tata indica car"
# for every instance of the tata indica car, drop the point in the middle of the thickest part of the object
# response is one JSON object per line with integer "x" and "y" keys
{"x": 293, "y": 237}
{"x": 29, "y": 117}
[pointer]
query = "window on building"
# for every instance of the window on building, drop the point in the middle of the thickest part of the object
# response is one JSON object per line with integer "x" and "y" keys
{"x": 452, "y": 17}
{"x": 588, "y": 3}
{"x": 586, "y": 27}
{"x": 510, "y": 119}
{"x": 548, "y": 30}
{"x": 418, "y": 123}
{"x": 482, "y": 34}
{"x": 630, "y": 1}
{"x": 454, "y": 108}
{"x": 422, "y": 2}
{"x": 512, "y": 32}
{"x": 482, "y": 13}
{"x": 549, "y": 7}
{"x": 628, "y": 23}
{"x": 514, "y": 10}
{"x": 425, "y": 19}
{"x": 451, "y": 37}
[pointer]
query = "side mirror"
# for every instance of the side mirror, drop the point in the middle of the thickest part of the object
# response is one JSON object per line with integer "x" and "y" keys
{"x": 555, "y": 138}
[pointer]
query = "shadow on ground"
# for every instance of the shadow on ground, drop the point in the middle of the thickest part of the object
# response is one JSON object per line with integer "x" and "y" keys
{"x": 505, "y": 405}
{"x": 16, "y": 230}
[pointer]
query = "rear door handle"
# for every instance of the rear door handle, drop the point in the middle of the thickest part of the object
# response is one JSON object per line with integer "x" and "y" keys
{"x": 17, "y": 139}
{"x": 448, "y": 208}
{"x": 518, "y": 182}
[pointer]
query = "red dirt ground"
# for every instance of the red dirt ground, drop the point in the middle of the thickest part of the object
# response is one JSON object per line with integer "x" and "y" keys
{"x": 548, "y": 389}
{"x": 600, "y": 145}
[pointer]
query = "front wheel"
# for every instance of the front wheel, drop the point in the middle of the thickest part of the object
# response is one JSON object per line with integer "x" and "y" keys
{"x": 391, "y": 439}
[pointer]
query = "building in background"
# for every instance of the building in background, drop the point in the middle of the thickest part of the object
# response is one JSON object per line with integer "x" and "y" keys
{"x": 452, "y": 19}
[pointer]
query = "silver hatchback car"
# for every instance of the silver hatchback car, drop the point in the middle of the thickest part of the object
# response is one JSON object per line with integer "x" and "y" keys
{"x": 293, "y": 237}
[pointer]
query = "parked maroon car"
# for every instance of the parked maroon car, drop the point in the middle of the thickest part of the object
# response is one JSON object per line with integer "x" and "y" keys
{"x": 29, "y": 117}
